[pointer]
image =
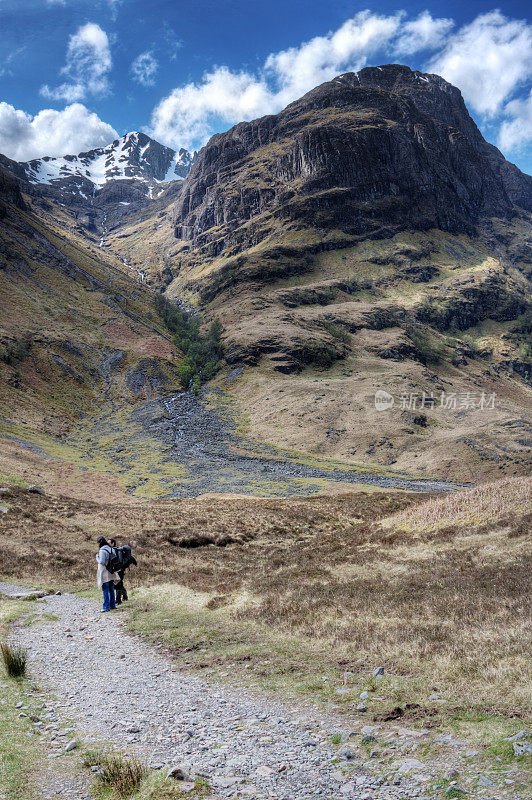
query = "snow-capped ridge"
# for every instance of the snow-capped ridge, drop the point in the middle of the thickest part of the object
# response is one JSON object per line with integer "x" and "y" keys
{"x": 133, "y": 156}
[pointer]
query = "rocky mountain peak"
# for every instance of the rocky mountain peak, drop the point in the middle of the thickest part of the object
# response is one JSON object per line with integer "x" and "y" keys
{"x": 133, "y": 156}
{"x": 367, "y": 153}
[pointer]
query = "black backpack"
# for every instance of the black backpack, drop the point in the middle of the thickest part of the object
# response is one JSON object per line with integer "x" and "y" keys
{"x": 126, "y": 556}
{"x": 114, "y": 562}
{"x": 119, "y": 558}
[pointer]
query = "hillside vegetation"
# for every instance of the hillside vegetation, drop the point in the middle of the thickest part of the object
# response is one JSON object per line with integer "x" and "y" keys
{"x": 75, "y": 331}
{"x": 313, "y": 594}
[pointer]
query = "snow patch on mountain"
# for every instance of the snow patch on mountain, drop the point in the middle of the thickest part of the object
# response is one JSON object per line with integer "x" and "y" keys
{"x": 134, "y": 156}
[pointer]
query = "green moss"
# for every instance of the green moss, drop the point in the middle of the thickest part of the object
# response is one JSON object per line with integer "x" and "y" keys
{"x": 13, "y": 480}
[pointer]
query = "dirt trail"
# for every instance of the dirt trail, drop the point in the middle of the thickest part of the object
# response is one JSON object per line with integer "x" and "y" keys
{"x": 122, "y": 691}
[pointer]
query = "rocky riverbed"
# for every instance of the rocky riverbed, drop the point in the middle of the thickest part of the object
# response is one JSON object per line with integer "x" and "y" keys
{"x": 186, "y": 446}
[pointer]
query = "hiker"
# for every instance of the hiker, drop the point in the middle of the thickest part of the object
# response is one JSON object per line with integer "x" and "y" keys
{"x": 127, "y": 560}
{"x": 105, "y": 578}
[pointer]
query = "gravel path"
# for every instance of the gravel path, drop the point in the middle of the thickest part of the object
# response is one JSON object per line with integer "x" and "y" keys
{"x": 119, "y": 690}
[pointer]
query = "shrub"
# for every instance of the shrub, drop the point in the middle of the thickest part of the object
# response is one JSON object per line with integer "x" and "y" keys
{"x": 354, "y": 285}
{"x": 15, "y": 352}
{"x": 474, "y": 348}
{"x": 522, "y": 333}
{"x": 380, "y": 318}
{"x": 122, "y": 774}
{"x": 203, "y": 353}
{"x": 337, "y": 332}
{"x": 14, "y": 659}
{"x": 319, "y": 354}
{"x": 435, "y": 313}
{"x": 525, "y": 352}
{"x": 195, "y": 386}
{"x": 305, "y": 297}
{"x": 524, "y": 325}
{"x": 185, "y": 372}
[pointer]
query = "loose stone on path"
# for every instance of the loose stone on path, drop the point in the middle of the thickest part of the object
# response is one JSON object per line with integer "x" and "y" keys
{"x": 242, "y": 743}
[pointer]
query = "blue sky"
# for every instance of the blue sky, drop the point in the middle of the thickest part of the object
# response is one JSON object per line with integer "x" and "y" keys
{"x": 74, "y": 73}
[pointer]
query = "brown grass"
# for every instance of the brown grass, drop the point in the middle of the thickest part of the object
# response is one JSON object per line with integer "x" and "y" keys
{"x": 290, "y": 589}
{"x": 52, "y": 539}
{"x": 123, "y": 775}
{"x": 14, "y": 659}
{"x": 475, "y": 507}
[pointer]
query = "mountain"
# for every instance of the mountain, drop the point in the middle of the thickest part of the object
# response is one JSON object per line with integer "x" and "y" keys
{"x": 366, "y": 154}
{"x": 365, "y": 239}
{"x": 76, "y": 330}
{"x": 105, "y": 186}
{"x": 134, "y": 157}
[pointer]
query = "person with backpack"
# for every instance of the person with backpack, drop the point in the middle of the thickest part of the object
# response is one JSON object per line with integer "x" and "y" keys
{"x": 106, "y": 575}
{"x": 126, "y": 558}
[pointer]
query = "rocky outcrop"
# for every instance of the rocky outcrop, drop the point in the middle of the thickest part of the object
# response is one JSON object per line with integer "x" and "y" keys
{"x": 367, "y": 153}
{"x": 493, "y": 298}
{"x": 10, "y": 193}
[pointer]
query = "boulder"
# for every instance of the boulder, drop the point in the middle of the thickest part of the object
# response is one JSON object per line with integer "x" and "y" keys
{"x": 178, "y": 773}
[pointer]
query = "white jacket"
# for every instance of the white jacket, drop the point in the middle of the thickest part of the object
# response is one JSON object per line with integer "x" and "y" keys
{"x": 103, "y": 575}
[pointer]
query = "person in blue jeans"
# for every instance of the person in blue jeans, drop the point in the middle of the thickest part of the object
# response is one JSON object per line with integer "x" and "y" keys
{"x": 105, "y": 579}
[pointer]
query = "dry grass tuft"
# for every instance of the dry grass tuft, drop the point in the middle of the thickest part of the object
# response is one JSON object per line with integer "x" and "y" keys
{"x": 123, "y": 775}
{"x": 486, "y": 503}
{"x": 14, "y": 659}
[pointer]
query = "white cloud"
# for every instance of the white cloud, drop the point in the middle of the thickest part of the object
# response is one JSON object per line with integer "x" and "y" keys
{"x": 144, "y": 68}
{"x": 185, "y": 118}
{"x": 10, "y": 59}
{"x": 113, "y": 7}
{"x": 173, "y": 42}
{"x": 422, "y": 33}
{"x": 517, "y": 131}
{"x": 50, "y": 132}
{"x": 88, "y": 61}
{"x": 299, "y": 69}
{"x": 487, "y": 59}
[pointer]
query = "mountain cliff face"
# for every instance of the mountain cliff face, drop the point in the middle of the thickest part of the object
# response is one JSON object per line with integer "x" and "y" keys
{"x": 368, "y": 153}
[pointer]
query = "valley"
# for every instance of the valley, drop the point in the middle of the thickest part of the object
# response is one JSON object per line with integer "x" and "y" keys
{"x": 319, "y": 311}
{"x": 292, "y": 370}
{"x": 183, "y": 446}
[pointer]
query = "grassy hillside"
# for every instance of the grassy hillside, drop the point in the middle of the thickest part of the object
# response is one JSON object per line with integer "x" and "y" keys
{"x": 315, "y": 326}
{"x": 420, "y": 313}
{"x": 75, "y": 330}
